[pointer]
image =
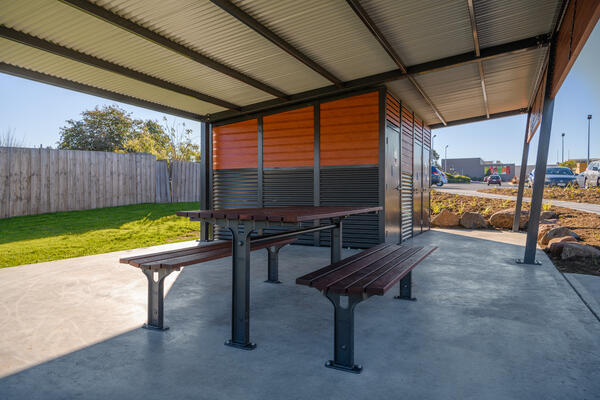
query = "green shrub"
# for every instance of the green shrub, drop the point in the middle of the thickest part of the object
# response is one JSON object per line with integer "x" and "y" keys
{"x": 457, "y": 178}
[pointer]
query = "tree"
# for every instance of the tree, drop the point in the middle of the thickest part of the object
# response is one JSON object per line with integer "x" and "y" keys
{"x": 113, "y": 129}
{"x": 435, "y": 157}
{"x": 569, "y": 164}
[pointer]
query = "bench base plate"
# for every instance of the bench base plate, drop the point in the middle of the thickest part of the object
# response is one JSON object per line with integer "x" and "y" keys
{"x": 405, "y": 298}
{"x": 270, "y": 281}
{"x": 249, "y": 346}
{"x": 155, "y": 328}
{"x": 355, "y": 369}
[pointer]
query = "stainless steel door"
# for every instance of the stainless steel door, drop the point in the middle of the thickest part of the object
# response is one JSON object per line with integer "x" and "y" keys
{"x": 426, "y": 188}
{"x": 392, "y": 184}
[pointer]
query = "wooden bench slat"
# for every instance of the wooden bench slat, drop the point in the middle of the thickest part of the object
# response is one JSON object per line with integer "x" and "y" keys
{"x": 341, "y": 273}
{"x": 365, "y": 275}
{"x": 136, "y": 261}
{"x": 393, "y": 276}
{"x": 309, "y": 278}
{"x": 175, "y": 262}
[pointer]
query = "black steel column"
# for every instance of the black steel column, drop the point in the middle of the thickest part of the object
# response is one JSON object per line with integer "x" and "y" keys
{"x": 204, "y": 176}
{"x": 259, "y": 200}
{"x": 317, "y": 166}
{"x": 381, "y": 164}
{"x": 240, "y": 302}
{"x": 336, "y": 241}
{"x": 522, "y": 175}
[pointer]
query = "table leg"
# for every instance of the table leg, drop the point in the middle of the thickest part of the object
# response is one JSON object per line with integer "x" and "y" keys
{"x": 240, "y": 304}
{"x": 336, "y": 242}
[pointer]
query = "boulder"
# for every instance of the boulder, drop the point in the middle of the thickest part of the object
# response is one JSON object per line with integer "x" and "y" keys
{"x": 572, "y": 250}
{"x": 445, "y": 219}
{"x": 548, "y": 215}
{"x": 504, "y": 219}
{"x": 556, "y": 245}
{"x": 542, "y": 230}
{"x": 556, "y": 232}
{"x": 473, "y": 220}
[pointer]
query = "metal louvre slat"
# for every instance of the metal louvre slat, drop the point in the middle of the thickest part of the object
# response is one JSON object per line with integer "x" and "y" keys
{"x": 406, "y": 199}
{"x": 352, "y": 186}
{"x": 289, "y": 187}
{"x": 234, "y": 188}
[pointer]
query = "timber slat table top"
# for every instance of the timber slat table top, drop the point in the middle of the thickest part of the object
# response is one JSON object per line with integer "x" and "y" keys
{"x": 281, "y": 214}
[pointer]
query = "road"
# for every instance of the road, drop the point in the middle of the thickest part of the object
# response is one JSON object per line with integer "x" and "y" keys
{"x": 471, "y": 189}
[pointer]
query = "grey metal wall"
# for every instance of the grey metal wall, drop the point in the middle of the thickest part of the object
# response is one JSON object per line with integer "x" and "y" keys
{"x": 234, "y": 188}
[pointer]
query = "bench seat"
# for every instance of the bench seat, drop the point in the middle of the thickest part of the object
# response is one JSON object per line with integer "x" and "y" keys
{"x": 157, "y": 266}
{"x": 371, "y": 272}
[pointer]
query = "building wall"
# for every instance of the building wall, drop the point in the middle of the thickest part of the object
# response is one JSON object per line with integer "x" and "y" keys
{"x": 475, "y": 168}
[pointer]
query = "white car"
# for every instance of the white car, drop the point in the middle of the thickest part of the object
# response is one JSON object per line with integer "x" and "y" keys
{"x": 592, "y": 175}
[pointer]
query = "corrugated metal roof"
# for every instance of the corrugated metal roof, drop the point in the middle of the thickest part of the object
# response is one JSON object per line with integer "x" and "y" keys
{"x": 329, "y": 32}
{"x": 423, "y": 30}
{"x": 40, "y": 61}
{"x": 510, "y": 80}
{"x": 456, "y": 92}
{"x": 509, "y": 20}
{"x": 204, "y": 27}
{"x": 64, "y": 25}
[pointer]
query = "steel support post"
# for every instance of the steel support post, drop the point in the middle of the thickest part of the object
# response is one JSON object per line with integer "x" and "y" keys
{"x": 336, "y": 241}
{"x": 343, "y": 334}
{"x": 273, "y": 264}
{"x": 240, "y": 303}
{"x": 538, "y": 180}
{"x": 522, "y": 175}
{"x": 406, "y": 288}
{"x": 204, "y": 180}
{"x": 156, "y": 298}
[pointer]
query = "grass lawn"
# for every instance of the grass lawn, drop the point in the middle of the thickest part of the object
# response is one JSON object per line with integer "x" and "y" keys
{"x": 46, "y": 237}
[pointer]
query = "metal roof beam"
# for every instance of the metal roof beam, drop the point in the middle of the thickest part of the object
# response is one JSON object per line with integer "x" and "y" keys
{"x": 94, "y": 91}
{"x": 256, "y": 26}
{"x": 481, "y": 118}
{"x": 478, "y": 53}
{"x": 370, "y": 24}
{"x": 41, "y": 44}
{"x": 130, "y": 26}
{"x": 394, "y": 75}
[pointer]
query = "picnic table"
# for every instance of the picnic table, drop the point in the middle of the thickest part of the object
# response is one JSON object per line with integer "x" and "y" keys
{"x": 242, "y": 222}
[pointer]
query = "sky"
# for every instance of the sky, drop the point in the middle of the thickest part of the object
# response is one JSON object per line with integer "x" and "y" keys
{"x": 35, "y": 112}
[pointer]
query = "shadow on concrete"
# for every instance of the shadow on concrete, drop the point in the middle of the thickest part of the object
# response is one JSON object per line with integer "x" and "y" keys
{"x": 483, "y": 328}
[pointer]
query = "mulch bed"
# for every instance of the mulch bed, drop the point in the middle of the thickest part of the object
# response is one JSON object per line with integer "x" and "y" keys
{"x": 578, "y": 195}
{"x": 586, "y": 225}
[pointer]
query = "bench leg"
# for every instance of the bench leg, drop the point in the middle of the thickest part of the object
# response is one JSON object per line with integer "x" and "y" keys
{"x": 406, "y": 288}
{"x": 156, "y": 298}
{"x": 336, "y": 241}
{"x": 273, "y": 267}
{"x": 343, "y": 342}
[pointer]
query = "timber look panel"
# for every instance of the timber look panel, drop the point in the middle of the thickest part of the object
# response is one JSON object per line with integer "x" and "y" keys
{"x": 236, "y": 145}
{"x": 288, "y": 138}
{"x": 291, "y": 214}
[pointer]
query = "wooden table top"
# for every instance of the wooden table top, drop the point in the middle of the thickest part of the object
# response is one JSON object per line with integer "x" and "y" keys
{"x": 281, "y": 214}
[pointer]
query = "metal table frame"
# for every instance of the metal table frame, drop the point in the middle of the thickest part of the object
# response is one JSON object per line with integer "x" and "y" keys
{"x": 241, "y": 231}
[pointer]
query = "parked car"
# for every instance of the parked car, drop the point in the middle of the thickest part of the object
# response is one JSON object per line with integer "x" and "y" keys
{"x": 485, "y": 178}
{"x": 580, "y": 179}
{"x": 555, "y": 176}
{"x": 438, "y": 177}
{"x": 494, "y": 180}
{"x": 592, "y": 175}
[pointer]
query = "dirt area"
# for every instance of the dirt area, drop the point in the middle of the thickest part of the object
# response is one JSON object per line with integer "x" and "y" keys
{"x": 586, "y": 225}
{"x": 578, "y": 195}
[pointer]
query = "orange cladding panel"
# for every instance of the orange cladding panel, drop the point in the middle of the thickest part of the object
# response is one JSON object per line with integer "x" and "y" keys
{"x": 350, "y": 130}
{"x": 236, "y": 145}
{"x": 288, "y": 139}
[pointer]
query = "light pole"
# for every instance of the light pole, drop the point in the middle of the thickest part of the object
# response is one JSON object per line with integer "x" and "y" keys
{"x": 446, "y": 158}
{"x": 589, "y": 122}
{"x": 563, "y": 147}
{"x": 432, "y": 150}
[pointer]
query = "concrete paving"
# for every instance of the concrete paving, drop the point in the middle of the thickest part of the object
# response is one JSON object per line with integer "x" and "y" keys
{"x": 483, "y": 328}
{"x": 471, "y": 189}
{"x": 588, "y": 288}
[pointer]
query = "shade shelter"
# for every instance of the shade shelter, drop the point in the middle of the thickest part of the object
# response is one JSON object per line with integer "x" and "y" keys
{"x": 245, "y": 64}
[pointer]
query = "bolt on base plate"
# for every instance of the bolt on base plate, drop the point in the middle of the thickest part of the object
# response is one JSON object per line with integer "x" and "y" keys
{"x": 249, "y": 346}
{"x": 155, "y": 328}
{"x": 355, "y": 369}
{"x": 520, "y": 261}
{"x": 406, "y": 298}
{"x": 269, "y": 281}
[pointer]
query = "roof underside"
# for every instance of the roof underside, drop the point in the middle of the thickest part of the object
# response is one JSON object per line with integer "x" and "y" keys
{"x": 202, "y": 60}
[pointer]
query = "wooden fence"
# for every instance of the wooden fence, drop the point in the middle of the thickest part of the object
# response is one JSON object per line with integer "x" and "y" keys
{"x": 37, "y": 181}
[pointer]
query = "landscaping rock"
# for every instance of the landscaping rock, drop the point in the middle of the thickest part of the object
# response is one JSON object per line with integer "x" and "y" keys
{"x": 504, "y": 219}
{"x": 572, "y": 250}
{"x": 556, "y": 245}
{"x": 473, "y": 220}
{"x": 556, "y": 232}
{"x": 445, "y": 219}
{"x": 548, "y": 215}
{"x": 542, "y": 230}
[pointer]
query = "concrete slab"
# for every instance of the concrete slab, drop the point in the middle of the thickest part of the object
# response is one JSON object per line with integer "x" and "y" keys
{"x": 483, "y": 327}
{"x": 588, "y": 288}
